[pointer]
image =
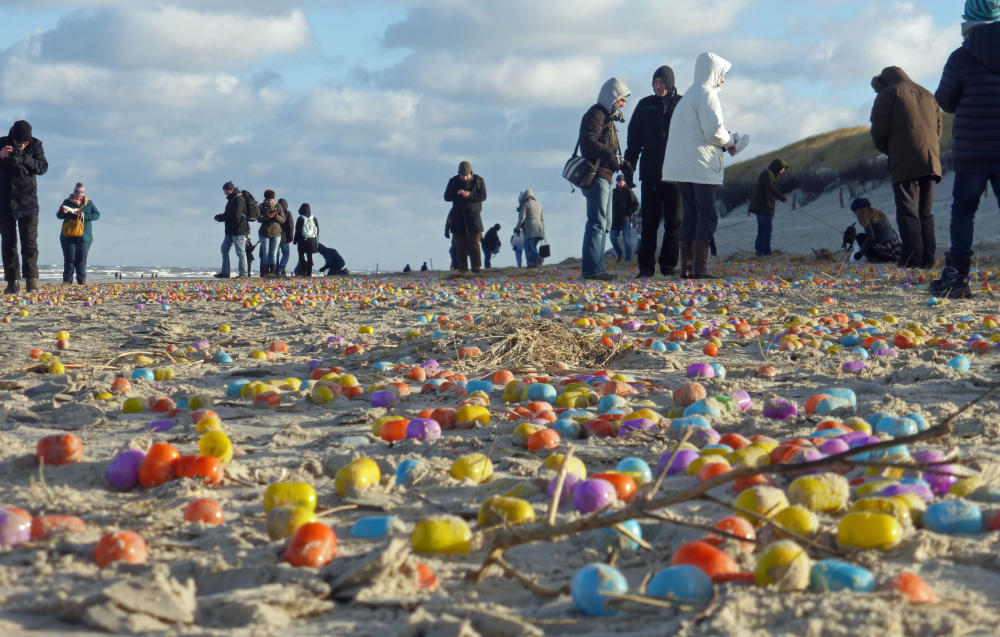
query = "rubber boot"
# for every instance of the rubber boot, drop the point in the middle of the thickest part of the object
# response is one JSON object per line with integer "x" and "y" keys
{"x": 701, "y": 248}
{"x": 954, "y": 281}
{"x": 12, "y": 287}
{"x": 687, "y": 250}
{"x": 32, "y": 285}
{"x": 281, "y": 273}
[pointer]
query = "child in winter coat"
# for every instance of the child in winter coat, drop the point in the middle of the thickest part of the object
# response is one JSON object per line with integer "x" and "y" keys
{"x": 879, "y": 243}
{"x": 306, "y": 240}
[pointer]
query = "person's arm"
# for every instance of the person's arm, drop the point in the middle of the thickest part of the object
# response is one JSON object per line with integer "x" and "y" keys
{"x": 34, "y": 160}
{"x": 297, "y": 235}
{"x": 880, "y": 118}
{"x": 451, "y": 190}
{"x": 949, "y": 90}
{"x": 590, "y": 141}
{"x": 477, "y": 191}
{"x": 634, "y": 139}
{"x": 713, "y": 126}
{"x": 771, "y": 188}
{"x": 91, "y": 213}
{"x": 633, "y": 203}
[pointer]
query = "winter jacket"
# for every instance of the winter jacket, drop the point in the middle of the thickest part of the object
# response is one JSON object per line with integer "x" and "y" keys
{"x": 624, "y": 204}
{"x": 906, "y": 126}
{"x": 648, "y": 130}
{"x": 18, "y": 186}
{"x": 766, "y": 192}
{"x": 698, "y": 136}
{"x": 90, "y": 214}
{"x": 881, "y": 243}
{"x": 334, "y": 263}
{"x": 309, "y": 244}
{"x": 235, "y": 215}
{"x": 491, "y": 241}
{"x": 464, "y": 217}
{"x": 271, "y": 226}
{"x": 531, "y": 217}
{"x": 288, "y": 225}
{"x": 598, "y": 137}
{"x": 970, "y": 88}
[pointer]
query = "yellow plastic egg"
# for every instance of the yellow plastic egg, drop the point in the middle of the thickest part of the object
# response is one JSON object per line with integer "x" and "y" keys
{"x": 862, "y": 530}
{"x": 321, "y": 394}
{"x": 784, "y": 564}
{"x": 200, "y": 401}
{"x": 62, "y": 335}
{"x": 356, "y": 476}
{"x": 216, "y": 444}
{"x": 827, "y": 492}
{"x": 471, "y": 415}
{"x": 965, "y": 486}
{"x": 523, "y": 431}
{"x": 57, "y": 368}
{"x": 763, "y": 500}
{"x": 474, "y": 466}
{"x": 445, "y": 535}
{"x": 498, "y": 510}
{"x": 897, "y": 508}
{"x": 208, "y": 423}
{"x": 797, "y": 519}
{"x": 224, "y": 329}
{"x": 290, "y": 495}
{"x": 573, "y": 400}
{"x": 574, "y": 467}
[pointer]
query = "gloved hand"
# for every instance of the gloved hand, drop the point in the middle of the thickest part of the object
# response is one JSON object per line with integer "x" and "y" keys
{"x": 624, "y": 166}
{"x": 220, "y": 217}
{"x": 629, "y": 177}
{"x": 738, "y": 143}
{"x": 447, "y": 235}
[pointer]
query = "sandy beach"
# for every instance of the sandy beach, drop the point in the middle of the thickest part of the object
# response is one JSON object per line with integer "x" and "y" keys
{"x": 231, "y": 578}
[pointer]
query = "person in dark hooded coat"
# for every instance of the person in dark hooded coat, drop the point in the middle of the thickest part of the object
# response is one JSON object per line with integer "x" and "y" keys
{"x": 287, "y": 235}
{"x": 466, "y": 191}
{"x": 333, "y": 263}
{"x": 306, "y": 240}
{"x": 765, "y": 193}
{"x": 906, "y": 126}
{"x": 22, "y": 158}
{"x": 661, "y": 200}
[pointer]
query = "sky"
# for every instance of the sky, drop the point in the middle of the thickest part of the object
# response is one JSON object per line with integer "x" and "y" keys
{"x": 364, "y": 109}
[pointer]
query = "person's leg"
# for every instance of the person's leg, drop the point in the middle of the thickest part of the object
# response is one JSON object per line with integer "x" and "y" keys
{"x": 476, "y": 250}
{"x": 627, "y": 237}
{"x": 907, "y": 195}
{"x": 240, "y": 243}
{"x": 757, "y": 249}
{"x": 689, "y": 223}
{"x": 27, "y": 229}
{"x": 925, "y": 209}
{"x": 531, "y": 248}
{"x": 593, "y": 231}
{"x": 69, "y": 257}
{"x": 705, "y": 224}
{"x": 617, "y": 243}
{"x": 765, "y": 224}
{"x": 461, "y": 242}
{"x": 283, "y": 255}
{"x": 487, "y": 255}
{"x": 82, "y": 250}
{"x": 651, "y": 214}
{"x": 227, "y": 242}
{"x": 8, "y": 247}
{"x": 673, "y": 210}
{"x": 517, "y": 255}
{"x": 967, "y": 190}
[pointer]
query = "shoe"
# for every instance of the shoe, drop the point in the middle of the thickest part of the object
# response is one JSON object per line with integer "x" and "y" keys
{"x": 32, "y": 285}
{"x": 666, "y": 271}
{"x": 687, "y": 249}
{"x": 12, "y": 287}
{"x": 619, "y": 259}
{"x": 700, "y": 260}
{"x": 220, "y": 275}
{"x": 953, "y": 284}
{"x": 282, "y": 274}
{"x": 600, "y": 276}
{"x": 644, "y": 274}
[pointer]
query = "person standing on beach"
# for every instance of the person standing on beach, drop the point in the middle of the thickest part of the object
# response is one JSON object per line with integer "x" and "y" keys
{"x": 661, "y": 200}
{"x": 599, "y": 145}
{"x": 906, "y": 126}
{"x": 624, "y": 205}
{"x": 970, "y": 88}
{"x": 491, "y": 244}
{"x": 237, "y": 228}
{"x": 22, "y": 159}
{"x": 306, "y": 240}
{"x": 287, "y": 234}
{"x": 75, "y": 248}
{"x": 466, "y": 191}
{"x": 517, "y": 243}
{"x": 272, "y": 216}
{"x": 531, "y": 225}
{"x": 698, "y": 137}
{"x": 765, "y": 193}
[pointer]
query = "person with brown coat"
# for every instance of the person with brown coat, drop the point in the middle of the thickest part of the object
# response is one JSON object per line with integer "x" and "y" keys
{"x": 906, "y": 126}
{"x": 272, "y": 216}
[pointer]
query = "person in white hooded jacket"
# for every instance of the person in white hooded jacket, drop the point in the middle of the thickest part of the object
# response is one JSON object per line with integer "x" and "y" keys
{"x": 698, "y": 138}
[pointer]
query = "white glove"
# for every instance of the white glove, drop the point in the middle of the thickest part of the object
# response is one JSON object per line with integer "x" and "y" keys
{"x": 738, "y": 143}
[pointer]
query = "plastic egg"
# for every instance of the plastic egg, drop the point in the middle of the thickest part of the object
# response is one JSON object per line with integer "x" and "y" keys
{"x": 446, "y": 535}
{"x": 284, "y": 521}
{"x": 783, "y": 564}
{"x": 290, "y": 495}
{"x": 588, "y": 584}
{"x": 498, "y": 510}
{"x": 356, "y": 476}
{"x": 217, "y": 445}
{"x": 953, "y": 517}
{"x": 682, "y": 583}
{"x": 869, "y": 531}
{"x": 829, "y": 576}
{"x": 826, "y": 492}
{"x": 765, "y": 501}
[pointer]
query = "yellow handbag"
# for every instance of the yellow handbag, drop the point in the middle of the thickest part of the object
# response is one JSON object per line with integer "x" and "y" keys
{"x": 72, "y": 227}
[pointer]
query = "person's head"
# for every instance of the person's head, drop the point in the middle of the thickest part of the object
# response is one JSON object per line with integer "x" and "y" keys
{"x": 228, "y": 188}
{"x": 612, "y": 97}
{"x": 465, "y": 170}
{"x": 862, "y": 209}
{"x": 710, "y": 70}
{"x": 20, "y": 134}
{"x": 305, "y": 210}
{"x": 620, "y": 180}
{"x": 496, "y": 226}
{"x": 981, "y": 11}
{"x": 663, "y": 81}
{"x": 79, "y": 192}
{"x": 777, "y": 166}
{"x": 890, "y": 76}
{"x": 268, "y": 195}
{"x": 527, "y": 195}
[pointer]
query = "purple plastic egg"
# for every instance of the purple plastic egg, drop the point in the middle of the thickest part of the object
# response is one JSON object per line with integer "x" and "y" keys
{"x": 681, "y": 461}
{"x": 700, "y": 370}
{"x": 704, "y": 436}
{"x": 15, "y": 528}
{"x": 741, "y": 400}
{"x": 855, "y": 438}
{"x": 593, "y": 495}
{"x": 940, "y": 482}
{"x": 337, "y": 340}
{"x": 780, "y": 409}
{"x": 636, "y": 424}
{"x": 430, "y": 363}
{"x": 123, "y": 470}
{"x": 925, "y": 456}
{"x": 922, "y": 491}
{"x": 888, "y": 352}
{"x": 834, "y": 446}
{"x": 423, "y": 429}
{"x": 853, "y": 367}
{"x": 569, "y": 486}
{"x": 162, "y": 425}
{"x": 384, "y": 398}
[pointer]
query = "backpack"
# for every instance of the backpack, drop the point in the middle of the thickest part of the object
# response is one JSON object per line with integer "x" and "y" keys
{"x": 309, "y": 229}
{"x": 253, "y": 208}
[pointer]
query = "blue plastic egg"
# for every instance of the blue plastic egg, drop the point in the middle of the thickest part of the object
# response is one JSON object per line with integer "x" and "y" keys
{"x": 589, "y": 582}
{"x": 953, "y": 517}
{"x": 834, "y": 575}
{"x": 684, "y": 583}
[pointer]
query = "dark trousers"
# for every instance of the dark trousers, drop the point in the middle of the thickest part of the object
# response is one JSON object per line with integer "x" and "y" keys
{"x": 487, "y": 255}
{"x": 661, "y": 201}
{"x": 915, "y": 218}
{"x": 27, "y": 230}
{"x": 466, "y": 249}
{"x": 762, "y": 246}
{"x": 700, "y": 216}
{"x": 966, "y": 194}
{"x": 74, "y": 258}
{"x": 305, "y": 267}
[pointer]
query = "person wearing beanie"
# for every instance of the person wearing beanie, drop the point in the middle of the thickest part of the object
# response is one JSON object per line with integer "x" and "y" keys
{"x": 624, "y": 205}
{"x": 22, "y": 159}
{"x": 76, "y": 247}
{"x": 237, "y": 228}
{"x": 287, "y": 234}
{"x": 970, "y": 88}
{"x": 698, "y": 138}
{"x": 906, "y": 126}
{"x": 466, "y": 191}
{"x": 306, "y": 240}
{"x": 491, "y": 244}
{"x": 765, "y": 193}
{"x": 272, "y": 216}
{"x": 879, "y": 242}
{"x": 599, "y": 145}
{"x": 661, "y": 200}
{"x": 531, "y": 225}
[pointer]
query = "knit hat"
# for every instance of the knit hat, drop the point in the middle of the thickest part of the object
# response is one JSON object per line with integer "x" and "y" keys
{"x": 464, "y": 168}
{"x": 620, "y": 177}
{"x": 268, "y": 194}
{"x": 859, "y": 204}
{"x": 229, "y": 186}
{"x": 666, "y": 74}
{"x": 79, "y": 190}
{"x": 982, "y": 10}
{"x": 20, "y": 132}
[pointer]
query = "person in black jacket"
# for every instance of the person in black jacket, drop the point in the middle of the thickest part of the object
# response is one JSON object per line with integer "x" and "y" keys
{"x": 306, "y": 240}
{"x": 287, "y": 234}
{"x": 970, "y": 88}
{"x": 765, "y": 192}
{"x": 624, "y": 205}
{"x": 333, "y": 263}
{"x": 661, "y": 200}
{"x": 466, "y": 191}
{"x": 22, "y": 158}
{"x": 237, "y": 229}
{"x": 491, "y": 244}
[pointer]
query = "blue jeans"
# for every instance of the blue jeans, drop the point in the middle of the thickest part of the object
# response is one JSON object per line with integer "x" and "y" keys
{"x": 269, "y": 246}
{"x": 966, "y": 193}
{"x": 621, "y": 239}
{"x": 517, "y": 254}
{"x": 762, "y": 246}
{"x": 531, "y": 250}
{"x": 74, "y": 258}
{"x": 598, "y": 196}
{"x": 283, "y": 254}
{"x": 238, "y": 242}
